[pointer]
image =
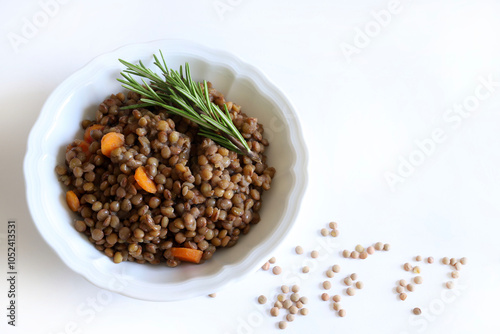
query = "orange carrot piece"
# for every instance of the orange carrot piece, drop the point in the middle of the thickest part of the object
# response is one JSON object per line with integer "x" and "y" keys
{"x": 187, "y": 254}
{"x": 87, "y": 137}
{"x": 72, "y": 200}
{"x": 111, "y": 141}
{"x": 144, "y": 181}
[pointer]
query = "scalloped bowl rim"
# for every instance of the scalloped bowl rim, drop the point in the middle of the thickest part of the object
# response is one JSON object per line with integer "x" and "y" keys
{"x": 195, "y": 286}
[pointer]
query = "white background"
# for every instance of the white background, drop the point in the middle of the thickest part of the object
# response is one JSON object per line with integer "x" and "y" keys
{"x": 364, "y": 102}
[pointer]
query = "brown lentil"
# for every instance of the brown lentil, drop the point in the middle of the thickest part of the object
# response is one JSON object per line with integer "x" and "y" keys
{"x": 305, "y": 269}
{"x": 282, "y": 324}
{"x": 325, "y": 296}
{"x": 299, "y": 250}
{"x": 294, "y": 297}
{"x": 324, "y": 232}
{"x": 418, "y": 279}
{"x": 363, "y": 255}
{"x": 455, "y": 274}
{"x": 350, "y": 291}
{"x": 212, "y": 295}
{"x": 445, "y": 260}
{"x": 304, "y": 311}
{"x": 387, "y": 247}
{"x": 407, "y": 267}
{"x": 348, "y": 281}
{"x": 290, "y": 317}
{"x": 277, "y": 270}
{"x": 370, "y": 250}
{"x": 285, "y": 289}
{"x": 327, "y": 285}
{"x": 314, "y": 254}
{"x": 355, "y": 255}
{"x": 359, "y": 285}
{"x": 272, "y": 260}
{"x": 430, "y": 259}
{"x": 304, "y": 300}
{"x": 418, "y": 258}
{"x": 342, "y": 313}
{"x": 295, "y": 288}
{"x": 379, "y": 246}
{"x": 262, "y": 299}
{"x": 336, "y": 298}
{"x": 336, "y": 306}
{"x": 346, "y": 253}
{"x": 266, "y": 266}
{"x": 287, "y": 304}
{"x": 399, "y": 289}
{"x": 359, "y": 248}
{"x": 463, "y": 261}
{"x": 402, "y": 296}
{"x": 417, "y": 311}
{"x": 336, "y": 268}
{"x": 275, "y": 311}
{"x": 410, "y": 287}
{"x": 416, "y": 270}
{"x": 330, "y": 273}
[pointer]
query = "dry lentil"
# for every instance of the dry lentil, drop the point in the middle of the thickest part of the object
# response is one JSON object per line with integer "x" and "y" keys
{"x": 290, "y": 317}
{"x": 336, "y": 268}
{"x": 272, "y": 260}
{"x": 278, "y": 304}
{"x": 402, "y": 296}
{"x": 359, "y": 285}
{"x": 285, "y": 289}
{"x": 314, "y": 254}
{"x": 348, "y": 281}
{"x": 327, "y": 285}
{"x": 350, "y": 291}
{"x": 379, "y": 246}
{"x": 330, "y": 273}
{"x": 299, "y": 304}
{"x": 336, "y": 306}
{"x": 275, "y": 311}
{"x": 430, "y": 259}
{"x": 346, "y": 253}
{"x": 325, "y": 296}
{"x": 455, "y": 274}
{"x": 407, "y": 267}
{"x": 294, "y": 297}
{"x": 370, "y": 250}
{"x": 277, "y": 270}
{"x": 336, "y": 298}
{"x": 295, "y": 288}
{"x": 305, "y": 269}
{"x": 463, "y": 261}
{"x": 410, "y": 287}
{"x": 342, "y": 313}
{"x": 418, "y": 279}
{"x": 445, "y": 260}
{"x": 304, "y": 311}
{"x": 458, "y": 266}
{"x": 324, "y": 232}
{"x": 293, "y": 309}
{"x": 417, "y": 311}
{"x": 450, "y": 285}
{"x": 387, "y": 247}
{"x": 262, "y": 299}
{"x": 299, "y": 250}
{"x": 355, "y": 255}
{"x": 304, "y": 300}
{"x": 281, "y": 298}
{"x": 363, "y": 255}
{"x": 287, "y": 304}
{"x": 212, "y": 295}
{"x": 416, "y": 270}
{"x": 266, "y": 266}
{"x": 418, "y": 258}
{"x": 359, "y": 248}
{"x": 282, "y": 324}
{"x": 334, "y": 233}
{"x": 399, "y": 289}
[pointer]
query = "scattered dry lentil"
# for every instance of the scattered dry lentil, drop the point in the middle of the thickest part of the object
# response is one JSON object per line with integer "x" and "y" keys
{"x": 402, "y": 282}
{"x": 325, "y": 296}
{"x": 285, "y": 289}
{"x": 458, "y": 266}
{"x": 330, "y": 273}
{"x": 327, "y": 285}
{"x": 455, "y": 274}
{"x": 387, "y": 247}
{"x": 359, "y": 285}
{"x": 418, "y": 279}
{"x": 450, "y": 285}
{"x": 299, "y": 304}
{"x": 278, "y": 304}
{"x": 299, "y": 250}
{"x": 370, "y": 250}
{"x": 407, "y": 266}
{"x": 336, "y": 306}
{"x": 290, "y": 317}
{"x": 324, "y": 232}
{"x": 399, "y": 289}
{"x": 342, "y": 313}
{"x": 354, "y": 276}
{"x": 463, "y": 261}
{"x": 262, "y": 299}
{"x": 334, "y": 233}
{"x": 416, "y": 270}
{"x": 281, "y": 298}
{"x": 287, "y": 304}
{"x": 272, "y": 260}
{"x": 266, "y": 266}
{"x": 275, "y": 311}
{"x": 346, "y": 253}
{"x": 314, "y": 254}
{"x": 305, "y": 269}
{"x": 333, "y": 225}
{"x": 359, "y": 248}
{"x": 363, "y": 255}
{"x": 417, "y": 311}
{"x": 212, "y": 295}
{"x": 430, "y": 259}
{"x": 282, "y": 324}
{"x": 304, "y": 311}
{"x": 410, "y": 287}
{"x": 293, "y": 309}
{"x": 453, "y": 261}
{"x": 304, "y": 300}
{"x": 350, "y": 291}
{"x": 379, "y": 246}
{"x": 348, "y": 281}
{"x": 445, "y": 260}
{"x": 277, "y": 270}
{"x": 336, "y": 268}
{"x": 402, "y": 296}
{"x": 295, "y": 297}
{"x": 355, "y": 255}
{"x": 418, "y": 258}
{"x": 337, "y": 298}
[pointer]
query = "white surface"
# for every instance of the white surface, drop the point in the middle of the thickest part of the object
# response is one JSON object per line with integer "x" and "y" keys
{"x": 358, "y": 117}
{"x": 77, "y": 98}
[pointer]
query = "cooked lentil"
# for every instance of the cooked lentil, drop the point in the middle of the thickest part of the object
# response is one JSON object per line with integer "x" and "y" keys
{"x": 206, "y": 198}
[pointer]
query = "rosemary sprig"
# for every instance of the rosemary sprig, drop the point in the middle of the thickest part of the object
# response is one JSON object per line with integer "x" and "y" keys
{"x": 180, "y": 95}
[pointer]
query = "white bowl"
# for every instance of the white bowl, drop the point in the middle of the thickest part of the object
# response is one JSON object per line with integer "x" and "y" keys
{"x": 78, "y": 97}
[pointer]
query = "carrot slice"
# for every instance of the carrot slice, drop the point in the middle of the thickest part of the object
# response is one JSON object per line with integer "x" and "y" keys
{"x": 111, "y": 141}
{"x": 187, "y": 254}
{"x": 144, "y": 181}
{"x": 72, "y": 200}
{"x": 87, "y": 137}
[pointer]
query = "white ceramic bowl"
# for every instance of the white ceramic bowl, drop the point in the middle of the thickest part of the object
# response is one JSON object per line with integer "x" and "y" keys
{"x": 78, "y": 97}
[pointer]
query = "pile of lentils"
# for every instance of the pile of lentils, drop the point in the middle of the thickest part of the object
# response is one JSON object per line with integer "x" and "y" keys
{"x": 206, "y": 198}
